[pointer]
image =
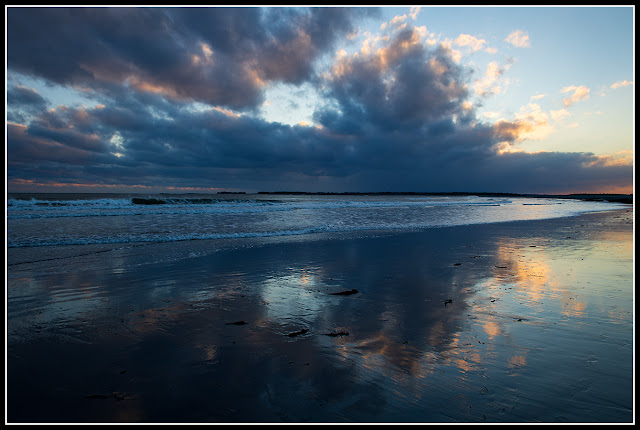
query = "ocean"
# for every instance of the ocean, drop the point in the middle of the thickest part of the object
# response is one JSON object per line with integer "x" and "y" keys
{"x": 37, "y": 220}
{"x": 265, "y": 308}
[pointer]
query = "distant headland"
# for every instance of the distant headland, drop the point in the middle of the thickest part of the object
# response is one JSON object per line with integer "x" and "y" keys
{"x": 616, "y": 198}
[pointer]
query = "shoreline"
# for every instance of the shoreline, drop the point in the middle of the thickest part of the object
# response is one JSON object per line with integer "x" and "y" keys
{"x": 525, "y": 321}
{"x": 47, "y": 259}
{"x": 605, "y": 197}
{"x": 61, "y": 259}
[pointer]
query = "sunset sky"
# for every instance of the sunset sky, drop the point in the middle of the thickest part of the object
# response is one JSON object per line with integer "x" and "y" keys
{"x": 475, "y": 99}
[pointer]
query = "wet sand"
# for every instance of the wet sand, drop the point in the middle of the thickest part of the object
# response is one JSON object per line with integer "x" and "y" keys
{"x": 509, "y": 322}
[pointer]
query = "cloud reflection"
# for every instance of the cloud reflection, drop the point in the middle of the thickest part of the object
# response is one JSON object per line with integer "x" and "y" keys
{"x": 514, "y": 309}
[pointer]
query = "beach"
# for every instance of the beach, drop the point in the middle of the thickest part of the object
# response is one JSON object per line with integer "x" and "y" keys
{"x": 522, "y": 321}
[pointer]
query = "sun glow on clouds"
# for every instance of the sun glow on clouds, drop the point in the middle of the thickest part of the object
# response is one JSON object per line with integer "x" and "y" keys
{"x": 289, "y": 104}
{"x": 227, "y": 112}
{"x": 470, "y": 41}
{"x": 531, "y": 123}
{"x": 118, "y": 142}
{"x": 519, "y": 39}
{"x": 491, "y": 82}
{"x": 577, "y": 94}
{"x": 409, "y": 82}
{"x": 620, "y": 84}
{"x": 205, "y": 58}
{"x": 622, "y": 158}
{"x": 57, "y": 186}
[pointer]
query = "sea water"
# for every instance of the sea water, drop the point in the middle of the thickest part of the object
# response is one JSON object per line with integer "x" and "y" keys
{"x": 506, "y": 322}
{"x": 37, "y": 220}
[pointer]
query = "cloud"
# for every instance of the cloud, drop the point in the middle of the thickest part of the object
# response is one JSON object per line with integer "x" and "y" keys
{"x": 398, "y": 19}
{"x": 491, "y": 115}
{"x": 400, "y": 83}
{"x": 519, "y": 39}
{"x": 490, "y": 83}
{"x": 23, "y": 103}
{"x": 559, "y": 114}
{"x": 219, "y": 56}
{"x": 395, "y": 116}
{"x": 470, "y": 41}
{"x": 620, "y": 84}
{"x": 214, "y": 150}
{"x": 537, "y": 122}
{"x": 577, "y": 94}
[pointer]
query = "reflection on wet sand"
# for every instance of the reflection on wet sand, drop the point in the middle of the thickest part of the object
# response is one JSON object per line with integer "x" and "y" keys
{"x": 466, "y": 324}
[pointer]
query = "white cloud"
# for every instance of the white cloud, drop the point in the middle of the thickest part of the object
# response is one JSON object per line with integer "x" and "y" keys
{"x": 578, "y": 93}
{"x": 489, "y": 83}
{"x": 447, "y": 44}
{"x": 559, "y": 114}
{"x": 398, "y": 18}
{"x": 535, "y": 122}
{"x": 621, "y": 84}
{"x": 470, "y": 41}
{"x": 491, "y": 115}
{"x": 519, "y": 39}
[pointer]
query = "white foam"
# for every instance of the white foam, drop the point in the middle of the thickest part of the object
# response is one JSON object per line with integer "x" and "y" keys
{"x": 124, "y": 207}
{"x": 48, "y": 223}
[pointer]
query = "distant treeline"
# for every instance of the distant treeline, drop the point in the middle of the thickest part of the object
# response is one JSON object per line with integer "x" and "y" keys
{"x": 617, "y": 198}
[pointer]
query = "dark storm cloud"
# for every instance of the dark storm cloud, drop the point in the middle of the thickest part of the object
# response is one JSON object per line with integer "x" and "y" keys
{"x": 220, "y": 56}
{"x": 22, "y": 96}
{"x": 399, "y": 104}
{"x": 210, "y": 149}
{"x": 394, "y": 119}
{"x": 405, "y": 84}
{"x": 23, "y": 103}
{"x": 29, "y": 151}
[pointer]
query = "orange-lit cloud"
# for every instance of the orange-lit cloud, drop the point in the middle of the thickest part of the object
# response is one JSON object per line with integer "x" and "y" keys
{"x": 150, "y": 87}
{"x": 396, "y": 101}
{"x": 577, "y": 94}
{"x": 490, "y": 83}
{"x": 381, "y": 58}
{"x": 105, "y": 187}
{"x": 622, "y": 158}
{"x": 519, "y": 39}
{"x": 470, "y": 41}
{"x": 227, "y": 112}
{"x": 620, "y": 84}
{"x": 559, "y": 114}
{"x": 531, "y": 123}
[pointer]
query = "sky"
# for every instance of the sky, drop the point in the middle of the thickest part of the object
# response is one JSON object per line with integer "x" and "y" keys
{"x": 320, "y": 99}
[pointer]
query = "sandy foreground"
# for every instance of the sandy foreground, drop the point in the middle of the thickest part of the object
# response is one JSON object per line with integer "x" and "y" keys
{"x": 508, "y": 322}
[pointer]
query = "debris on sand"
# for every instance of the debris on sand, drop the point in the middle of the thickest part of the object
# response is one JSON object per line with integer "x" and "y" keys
{"x": 446, "y": 302}
{"x": 116, "y": 396}
{"x": 237, "y": 323}
{"x": 345, "y": 293}
{"x": 340, "y": 333}
{"x": 297, "y": 333}
{"x": 98, "y": 396}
